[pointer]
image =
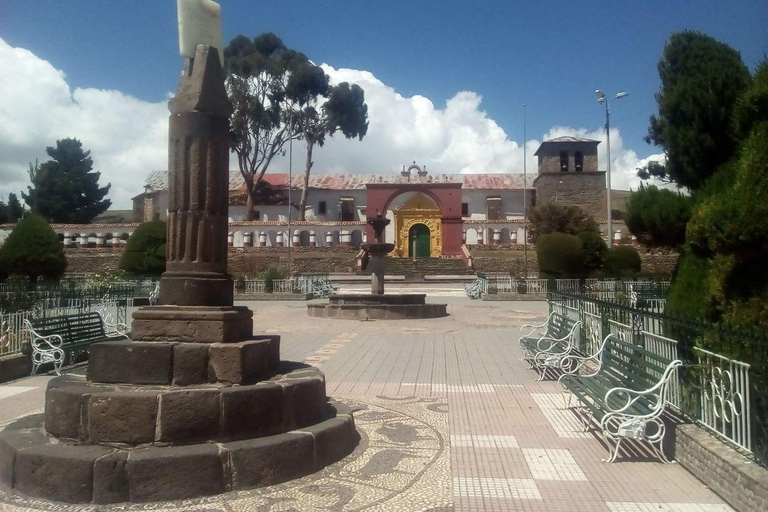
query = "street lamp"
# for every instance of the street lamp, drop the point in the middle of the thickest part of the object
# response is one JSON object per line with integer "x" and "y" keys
{"x": 601, "y": 98}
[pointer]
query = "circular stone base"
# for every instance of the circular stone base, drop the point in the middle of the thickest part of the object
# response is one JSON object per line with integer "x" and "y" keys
{"x": 39, "y": 465}
{"x": 377, "y": 311}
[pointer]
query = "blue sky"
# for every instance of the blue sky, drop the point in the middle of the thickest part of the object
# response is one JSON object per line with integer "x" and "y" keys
{"x": 551, "y": 55}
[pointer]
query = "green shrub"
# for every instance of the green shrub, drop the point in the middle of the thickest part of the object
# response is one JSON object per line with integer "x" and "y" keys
{"x": 622, "y": 260}
{"x": 269, "y": 275}
{"x": 560, "y": 218}
{"x": 657, "y": 217}
{"x": 595, "y": 251}
{"x": 33, "y": 249}
{"x": 145, "y": 251}
{"x": 687, "y": 296}
{"x": 560, "y": 255}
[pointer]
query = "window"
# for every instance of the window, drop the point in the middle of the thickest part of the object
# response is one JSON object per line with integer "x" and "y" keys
{"x": 579, "y": 158}
{"x": 347, "y": 209}
{"x": 465, "y": 209}
{"x": 256, "y": 215}
{"x": 322, "y": 208}
{"x": 564, "y": 161}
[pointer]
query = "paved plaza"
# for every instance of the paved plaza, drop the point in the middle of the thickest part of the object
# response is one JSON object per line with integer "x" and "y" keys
{"x": 450, "y": 420}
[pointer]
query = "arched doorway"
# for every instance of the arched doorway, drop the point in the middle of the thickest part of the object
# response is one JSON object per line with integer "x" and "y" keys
{"x": 418, "y": 237}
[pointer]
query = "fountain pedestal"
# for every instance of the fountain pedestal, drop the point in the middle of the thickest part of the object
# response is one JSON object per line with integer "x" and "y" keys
{"x": 377, "y": 305}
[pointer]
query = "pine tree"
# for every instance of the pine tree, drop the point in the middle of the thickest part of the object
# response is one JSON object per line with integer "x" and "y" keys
{"x": 65, "y": 189}
{"x": 33, "y": 249}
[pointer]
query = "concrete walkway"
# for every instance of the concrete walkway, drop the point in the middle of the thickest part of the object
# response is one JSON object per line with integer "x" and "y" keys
{"x": 450, "y": 420}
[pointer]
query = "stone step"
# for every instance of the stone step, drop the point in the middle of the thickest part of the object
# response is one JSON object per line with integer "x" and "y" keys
{"x": 429, "y": 266}
{"x": 36, "y": 464}
{"x": 136, "y": 415}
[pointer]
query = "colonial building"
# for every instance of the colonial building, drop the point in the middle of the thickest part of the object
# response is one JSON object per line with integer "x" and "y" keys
{"x": 431, "y": 214}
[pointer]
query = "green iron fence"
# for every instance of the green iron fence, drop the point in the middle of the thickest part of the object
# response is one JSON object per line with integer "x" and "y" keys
{"x": 723, "y": 384}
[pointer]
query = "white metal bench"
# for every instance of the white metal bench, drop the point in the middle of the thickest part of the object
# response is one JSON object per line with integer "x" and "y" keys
{"x": 544, "y": 352}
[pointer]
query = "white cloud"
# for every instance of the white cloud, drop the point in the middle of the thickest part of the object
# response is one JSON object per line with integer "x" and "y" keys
{"x": 128, "y": 136}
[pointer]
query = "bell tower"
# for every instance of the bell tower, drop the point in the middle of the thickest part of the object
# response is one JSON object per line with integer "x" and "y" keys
{"x": 568, "y": 174}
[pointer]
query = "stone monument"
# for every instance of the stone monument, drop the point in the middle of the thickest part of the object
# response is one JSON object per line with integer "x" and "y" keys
{"x": 193, "y": 404}
{"x": 377, "y": 305}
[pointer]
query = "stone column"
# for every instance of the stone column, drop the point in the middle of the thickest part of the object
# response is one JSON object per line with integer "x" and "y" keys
{"x": 230, "y": 239}
{"x": 82, "y": 241}
{"x": 67, "y": 240}
{"x": 365, "y": 236}
{"x": 279, "y": 239}
{"x": 377, "y": 274}
{"x": 344, "y": 239}
{"x": 496, "y": 237}
{"x": 480, "y": 236}
{"x": 247, "y": 240}
{"x": 463, "y": 236}
{"x": 100, "y": 240}
{"x": 262, "y": 239}
{"x": 513, "y": 237}
{"x": 329, "y": 239}
{"x": 198, "y": 183}
{"x": 312, "y": 239}
{"x": 295, "y": 239}
{"x": 617, "y": 237}
{"x": 116, "y": 242}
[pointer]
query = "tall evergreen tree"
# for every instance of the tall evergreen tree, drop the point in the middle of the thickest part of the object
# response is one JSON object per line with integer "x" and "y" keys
{"x": 15, "y": 210}
{"x": 66, "y": 188}
{"x": 701, "y": 79}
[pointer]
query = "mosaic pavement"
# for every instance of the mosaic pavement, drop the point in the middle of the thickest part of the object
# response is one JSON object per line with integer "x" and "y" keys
{"x": 450, "y": 420}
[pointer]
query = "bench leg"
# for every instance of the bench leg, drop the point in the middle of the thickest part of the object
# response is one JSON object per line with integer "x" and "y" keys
{"x": 615, "y": 452}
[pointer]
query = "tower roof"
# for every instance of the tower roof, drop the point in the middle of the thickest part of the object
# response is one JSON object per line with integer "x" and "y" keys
{"x": 566, "y": 139}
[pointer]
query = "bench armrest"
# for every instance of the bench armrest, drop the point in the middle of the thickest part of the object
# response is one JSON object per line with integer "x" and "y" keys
{"x": 630, "y": 396}
{"x": 534, "y": 328}
{"x": 552, "y": 341}
{"x": 572, "y": 363}
{"x": 42, "y": 343}
{"x": 116, "y": 330}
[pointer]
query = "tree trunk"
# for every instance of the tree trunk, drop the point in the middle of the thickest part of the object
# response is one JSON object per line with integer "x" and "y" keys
{"x": 249, "y": 207}
{"x": 305, "y": 188}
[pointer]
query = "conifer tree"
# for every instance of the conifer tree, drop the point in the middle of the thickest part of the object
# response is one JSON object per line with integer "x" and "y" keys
{"x": 66, "y": 189}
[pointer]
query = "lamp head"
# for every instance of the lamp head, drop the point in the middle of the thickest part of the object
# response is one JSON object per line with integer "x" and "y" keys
{"x": 621, "y": 95}
{"x": 600, "y": 95}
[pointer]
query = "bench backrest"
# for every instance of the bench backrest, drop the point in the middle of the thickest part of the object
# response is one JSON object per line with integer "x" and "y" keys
{"x": 636, "y": 367}
{"x": 560, "y": 326}
{"x": 72, "y": 328}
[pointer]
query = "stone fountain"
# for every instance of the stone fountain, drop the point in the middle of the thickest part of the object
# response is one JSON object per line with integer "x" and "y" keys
{"x": 377, "y": 305}
{"x": 193, "y": 404}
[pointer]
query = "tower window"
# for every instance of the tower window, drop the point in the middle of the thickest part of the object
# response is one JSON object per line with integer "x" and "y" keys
{"x": 564, "y": 161}
{"x": 465, "y": 209}
{"x": 579, "y": 158}
{"x": 322, "y": 208}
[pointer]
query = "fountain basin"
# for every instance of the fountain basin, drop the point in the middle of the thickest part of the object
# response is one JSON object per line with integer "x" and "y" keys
{"x": 366, "y": 306}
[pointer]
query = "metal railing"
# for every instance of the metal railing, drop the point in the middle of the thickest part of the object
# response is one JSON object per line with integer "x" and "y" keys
{"x": 723, "y": 384}
{"x": 14, "y": 336}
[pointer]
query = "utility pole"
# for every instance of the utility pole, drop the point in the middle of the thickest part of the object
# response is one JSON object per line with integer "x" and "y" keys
{"x": 525, "y": 197}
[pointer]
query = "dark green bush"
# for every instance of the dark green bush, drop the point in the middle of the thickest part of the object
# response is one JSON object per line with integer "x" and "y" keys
{"x": 560, "y": 255}
{"x": 687, "y": 297}
{"x": 560, "y": 218}
{"x": 145, "y": 251}
{"x": 657, "y": 217}
{"x": 33, "y": 249}
{"x": 622, "y": 260}
{"x": 595, "y": 251}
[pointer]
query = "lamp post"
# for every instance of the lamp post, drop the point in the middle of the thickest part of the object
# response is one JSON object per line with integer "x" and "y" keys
{"x": 601, "y": 98}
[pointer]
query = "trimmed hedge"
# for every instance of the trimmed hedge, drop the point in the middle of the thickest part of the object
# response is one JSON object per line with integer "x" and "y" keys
{"x": 560, "y": 255}
{"x": 145, "y": 251}
{"x": 33, "y": 249}
{"x": 621, "y": 260}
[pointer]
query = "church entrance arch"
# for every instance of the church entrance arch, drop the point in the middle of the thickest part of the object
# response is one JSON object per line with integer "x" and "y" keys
{"x": 418, "y": 236}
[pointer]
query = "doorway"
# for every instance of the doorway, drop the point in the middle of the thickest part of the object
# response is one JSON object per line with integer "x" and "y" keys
{"x": 420, "y": 234}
